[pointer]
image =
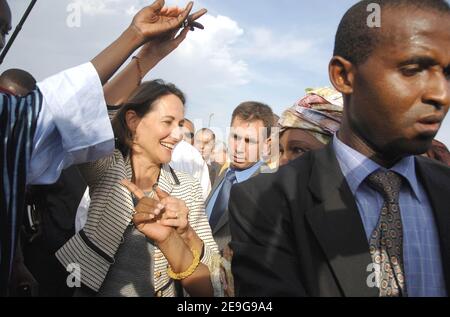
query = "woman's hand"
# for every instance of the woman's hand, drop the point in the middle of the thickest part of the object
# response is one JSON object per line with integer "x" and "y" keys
{"x": 147, "y": 214}
{"x": 175, "y": 212}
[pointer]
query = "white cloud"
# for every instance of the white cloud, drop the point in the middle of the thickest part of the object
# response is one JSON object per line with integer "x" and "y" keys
{"x": 132, "y": 10}
{"x": 208, "y": 57}
{"x": 109, "y": 7}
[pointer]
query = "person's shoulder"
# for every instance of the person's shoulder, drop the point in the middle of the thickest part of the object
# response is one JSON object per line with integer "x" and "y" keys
{"x": 184, "y": 147}
{"x": 287, "y": 178}
{"x": 433, "y": 167}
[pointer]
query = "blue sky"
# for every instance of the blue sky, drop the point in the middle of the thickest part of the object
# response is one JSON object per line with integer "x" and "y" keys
{"x": 263, "y": 50}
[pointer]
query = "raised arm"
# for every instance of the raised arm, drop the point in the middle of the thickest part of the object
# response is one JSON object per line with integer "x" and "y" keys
{"x": 150, "y": 22}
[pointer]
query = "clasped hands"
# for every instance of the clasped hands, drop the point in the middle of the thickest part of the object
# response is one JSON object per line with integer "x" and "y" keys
{"x": 159, "y": 217}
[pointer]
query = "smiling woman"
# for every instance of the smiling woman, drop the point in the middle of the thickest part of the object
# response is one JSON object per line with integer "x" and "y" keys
{"x": 146, "y": 225}
{"x": 148, "y": 119}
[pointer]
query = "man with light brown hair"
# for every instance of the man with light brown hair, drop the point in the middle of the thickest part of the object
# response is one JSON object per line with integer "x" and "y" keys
{"x": 251, "y": 124}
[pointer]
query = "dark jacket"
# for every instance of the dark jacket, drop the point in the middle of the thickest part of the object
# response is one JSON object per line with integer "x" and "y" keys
{"x": 299, "y": 233}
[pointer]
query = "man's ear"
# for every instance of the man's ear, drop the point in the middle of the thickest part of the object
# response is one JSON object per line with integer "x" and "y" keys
{"x": 132, "y": 120}
{"x": 342, "y": 74}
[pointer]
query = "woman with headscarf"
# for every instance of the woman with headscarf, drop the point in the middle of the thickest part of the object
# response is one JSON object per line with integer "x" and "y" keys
{"x": 310, "y": 123}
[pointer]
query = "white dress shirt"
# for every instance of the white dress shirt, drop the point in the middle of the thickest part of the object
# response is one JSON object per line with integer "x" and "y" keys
{"x": 187, "y": 159}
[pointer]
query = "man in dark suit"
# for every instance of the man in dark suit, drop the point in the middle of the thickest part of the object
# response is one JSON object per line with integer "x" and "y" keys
{"x": 250, "y": 126}
{"x": 365, "y": 216}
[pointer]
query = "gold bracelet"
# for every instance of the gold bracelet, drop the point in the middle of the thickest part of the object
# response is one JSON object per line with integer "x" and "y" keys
{"x": 190, "y": 269}
{"x": 138, "y": 64}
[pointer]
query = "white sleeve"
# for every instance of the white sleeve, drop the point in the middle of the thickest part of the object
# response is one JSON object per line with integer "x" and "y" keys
{"x": 73, "y": 126}
{"x": 186, "y": 158}
{"x": 82, "y": 211}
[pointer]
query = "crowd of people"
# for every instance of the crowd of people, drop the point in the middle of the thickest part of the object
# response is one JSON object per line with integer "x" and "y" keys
{"x": 109, "y": 190}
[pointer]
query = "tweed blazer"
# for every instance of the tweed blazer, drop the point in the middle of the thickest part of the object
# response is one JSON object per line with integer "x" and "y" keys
{"x": 110, "y": 212}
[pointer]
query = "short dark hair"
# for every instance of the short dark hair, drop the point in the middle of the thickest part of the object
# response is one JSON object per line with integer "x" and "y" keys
{"x": 355, "y": 41}
{"x": 251, "y": 111}
{"x": 207, "y": 130}
{"x": 142, "y": 102}
{"x": 18, "y": 80}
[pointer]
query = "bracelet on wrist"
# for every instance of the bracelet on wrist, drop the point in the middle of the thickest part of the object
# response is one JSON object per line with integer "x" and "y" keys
{"x": 189, "y": 270}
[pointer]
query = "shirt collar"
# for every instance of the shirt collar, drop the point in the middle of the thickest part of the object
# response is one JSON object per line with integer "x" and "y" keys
{"x": 243, "y": 175}
{"x": 356, "y": 167}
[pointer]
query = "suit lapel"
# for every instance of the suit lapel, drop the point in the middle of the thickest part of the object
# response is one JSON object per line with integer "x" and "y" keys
{"x": 224, "y": 218}
{"x": 217, "y": 182}
{"x": 438, "y": 192}
{"x": 222, "y": 221}
{"x": 338, "y": 226}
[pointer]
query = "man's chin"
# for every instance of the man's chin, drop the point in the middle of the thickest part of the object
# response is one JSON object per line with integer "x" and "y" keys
{"x": 240, "y": 165}
{"x": 417, "y": 146}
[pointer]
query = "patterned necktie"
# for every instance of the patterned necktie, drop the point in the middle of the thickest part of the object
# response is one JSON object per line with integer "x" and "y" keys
{"x": 386, "y": 242}
{"x": 223, "y": 198}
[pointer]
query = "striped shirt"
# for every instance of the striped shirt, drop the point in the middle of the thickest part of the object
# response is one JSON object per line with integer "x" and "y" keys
{"x": 18, "y": 119}
{"x": 110, "y": 212}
